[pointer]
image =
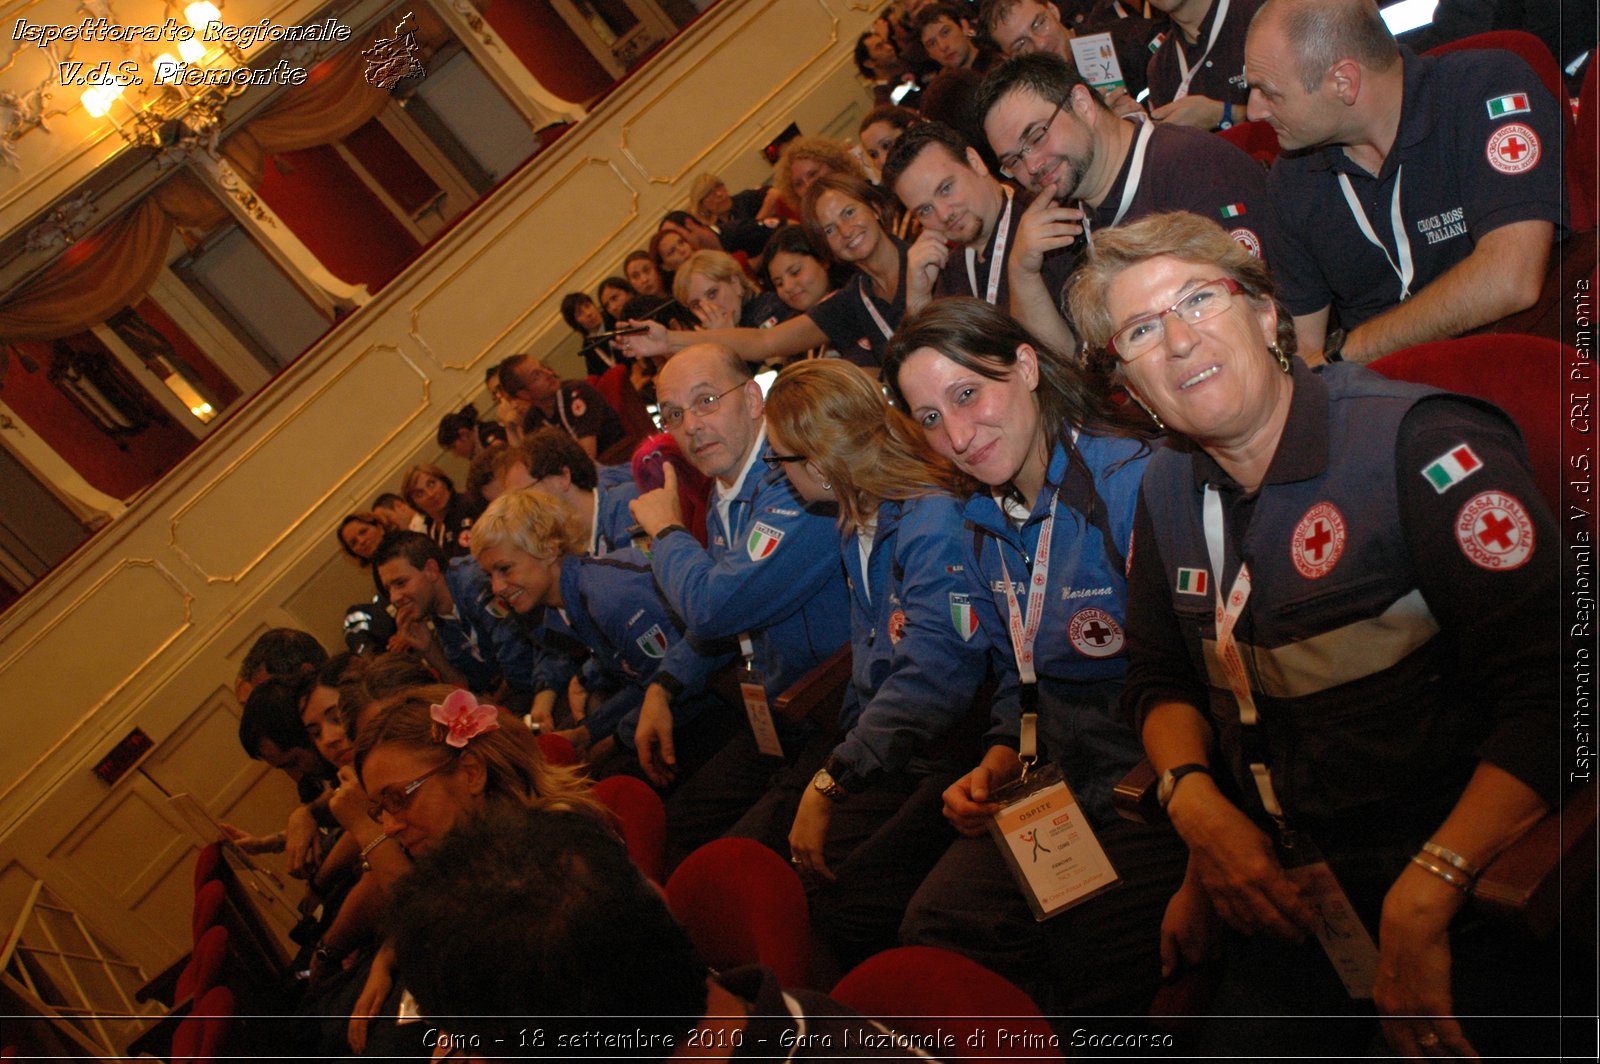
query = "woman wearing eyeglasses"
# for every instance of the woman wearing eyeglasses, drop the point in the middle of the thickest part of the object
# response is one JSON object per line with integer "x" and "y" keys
{"x": 431, "y": 759}
{"x": 1045, "y": 551}
{"x": 866, "y": 828}
{"x": 1342, "y": 610}
{"x": 841, "y": 213}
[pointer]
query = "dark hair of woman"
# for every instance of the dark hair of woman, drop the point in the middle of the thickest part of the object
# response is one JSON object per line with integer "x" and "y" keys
{"x": 985, "y": 339}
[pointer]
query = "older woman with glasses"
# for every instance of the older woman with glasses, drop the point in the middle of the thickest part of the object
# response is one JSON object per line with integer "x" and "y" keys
{"x": 1344, "y": 648}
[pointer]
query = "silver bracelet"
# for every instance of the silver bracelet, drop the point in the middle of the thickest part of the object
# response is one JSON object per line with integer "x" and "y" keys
{"x": 1461, "y": 883}
{"x": 1453, "y": 859}
{"x": 377, "y": 840}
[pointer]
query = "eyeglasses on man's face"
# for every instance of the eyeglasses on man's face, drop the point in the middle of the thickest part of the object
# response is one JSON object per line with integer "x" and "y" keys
{"x": 1031, "y": 139}
{"x": 672, "y": 416}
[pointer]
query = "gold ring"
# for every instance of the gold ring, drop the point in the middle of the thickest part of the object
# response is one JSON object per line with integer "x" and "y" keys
{"x": 1427, "y": 1039}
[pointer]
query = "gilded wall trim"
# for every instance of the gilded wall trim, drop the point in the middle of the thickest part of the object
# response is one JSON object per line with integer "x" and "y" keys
{"x": 289, "y": 421}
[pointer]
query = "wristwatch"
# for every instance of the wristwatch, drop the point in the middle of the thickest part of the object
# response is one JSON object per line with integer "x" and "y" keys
{"x": 824, "y": 782}
{"x": 1170, "y": 778}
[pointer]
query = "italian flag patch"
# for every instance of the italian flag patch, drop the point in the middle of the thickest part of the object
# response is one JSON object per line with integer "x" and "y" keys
{"x": 653, "y": 642}
{"x": 764, "y": 539}
{"x": 1233, "y": 210}
{"x": 1191, "y": 581}
{"x": 1451, "y": 468}
{"x": 962, "y": 616}
{"x": 1514, "y": 104}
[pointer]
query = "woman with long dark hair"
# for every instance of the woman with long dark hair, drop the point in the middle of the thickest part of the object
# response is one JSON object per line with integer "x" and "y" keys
{"x": 1046, "y": 548}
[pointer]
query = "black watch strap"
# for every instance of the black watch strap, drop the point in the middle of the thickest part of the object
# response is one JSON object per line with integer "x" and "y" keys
{"x": 1170, "y": 778}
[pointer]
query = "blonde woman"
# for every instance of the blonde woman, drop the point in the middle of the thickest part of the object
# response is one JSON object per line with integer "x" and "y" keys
{"x": 866, "y": 828}
{"x": 535, "y": 553}
{"x": 722, "y": 296}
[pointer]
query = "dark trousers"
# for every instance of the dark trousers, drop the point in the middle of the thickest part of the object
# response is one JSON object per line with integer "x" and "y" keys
{"x": 882, "y": 841}
{"x": 735, "y": 778}
{"x": 1101, "y": 957}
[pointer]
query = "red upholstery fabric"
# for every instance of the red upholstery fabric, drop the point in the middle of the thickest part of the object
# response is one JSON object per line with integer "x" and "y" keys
{"x": 1256, "y": 139}
{"x": 617, "y": 388}
{"x": 922, "y": 990}
{"x": 208, "y": 902}
{"x": 643, "y": 818}
{"x": 1533, "y": 52}
{"x": 207, "y": 865}
{"x": 199, "y": 1038}
{"x": 1520, "y": 374}
{"x": 694, "y": 487}
{"x": 558, "y": 749}
{"x": 205, "y": 963}
{"x": 743, "y": 904}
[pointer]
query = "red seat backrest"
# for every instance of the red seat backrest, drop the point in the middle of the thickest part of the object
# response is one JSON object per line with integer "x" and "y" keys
{"x": 205, "y": 963}
{"x": 927, "y": 991}
{"x": 1581, "y": 167}
{"x": 207, "y": 864}
{"x": 208, "y": 902}
{"x": 643, "y": 818}
{"x": 1255, "y": 139}
{"x": 199, "y": 1038}
{"x": 743, "y": 904}
{"x": 558, "y": 749}
{"x": 1522, "y": 375}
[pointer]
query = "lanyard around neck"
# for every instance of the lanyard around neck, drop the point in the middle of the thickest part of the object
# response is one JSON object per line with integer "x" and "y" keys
{"x": 1406, "y": 270}
{"x": 1229, "y": 610}
{"x": 1211, "y": 42}
{"x": 997, "y": 261}
{"x": 1135, "y": 172}
{"x": 872, "y": 308}
{"x": 1025, "y": 631}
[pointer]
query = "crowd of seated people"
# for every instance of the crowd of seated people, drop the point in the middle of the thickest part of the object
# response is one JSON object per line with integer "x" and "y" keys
{"x": 1069, "y": 474}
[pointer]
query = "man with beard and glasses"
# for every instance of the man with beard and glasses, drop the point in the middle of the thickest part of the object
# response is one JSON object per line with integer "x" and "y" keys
{"x": 1089, "y": 169}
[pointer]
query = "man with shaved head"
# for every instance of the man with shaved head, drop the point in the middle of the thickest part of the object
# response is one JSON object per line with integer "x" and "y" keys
{"x": 768, "y": 579}
{"x": 1423, "y": 193}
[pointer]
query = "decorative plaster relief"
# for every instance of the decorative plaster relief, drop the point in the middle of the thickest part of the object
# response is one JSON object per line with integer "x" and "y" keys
{"x": 493, "y": 288}
{"x": 56, "y": 681}
{"x": 261, "y": 497}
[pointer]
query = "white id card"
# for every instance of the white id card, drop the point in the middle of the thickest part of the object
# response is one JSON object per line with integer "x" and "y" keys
{"x": 1344, "y": 937}
{"x": 760, "y": 714}
{"x": 1097, "y": 61}
{"x": 1049, "y": 844}
{"x": 408, "y": 1010}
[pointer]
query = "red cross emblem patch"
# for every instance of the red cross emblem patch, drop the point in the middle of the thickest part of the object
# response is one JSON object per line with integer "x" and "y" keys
{"x": 1513, "y": 149}
{"x": 1494, "y": 531}
{"x": 1095, "y": 633}
{"x": 1318, "y": 541}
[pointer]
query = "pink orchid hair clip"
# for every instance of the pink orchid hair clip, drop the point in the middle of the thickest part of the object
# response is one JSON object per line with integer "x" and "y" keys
{"x": 464, "y": 717}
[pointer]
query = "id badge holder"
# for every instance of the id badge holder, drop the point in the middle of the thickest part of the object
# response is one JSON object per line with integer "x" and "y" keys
{"x": 1343, "y": 936}
{"x": 1048, "y": 843}
{"x": 754, "y": 694}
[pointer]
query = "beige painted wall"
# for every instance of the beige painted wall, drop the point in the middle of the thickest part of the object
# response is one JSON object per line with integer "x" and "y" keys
{"x": 144, "y": 627}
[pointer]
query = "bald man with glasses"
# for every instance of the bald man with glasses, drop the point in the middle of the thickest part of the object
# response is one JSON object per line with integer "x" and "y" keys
{"x": 768, "y": 580}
